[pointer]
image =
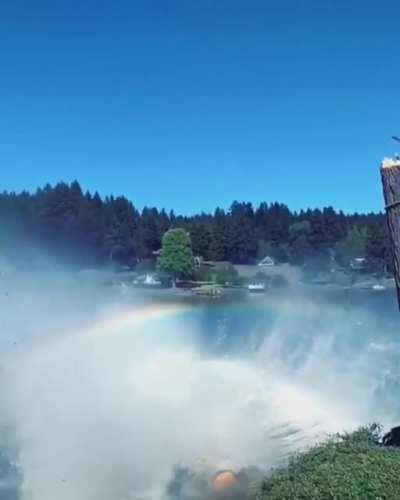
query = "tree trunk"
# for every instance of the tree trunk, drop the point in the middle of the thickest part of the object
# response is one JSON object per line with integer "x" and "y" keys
{"x": 390, "y": 173}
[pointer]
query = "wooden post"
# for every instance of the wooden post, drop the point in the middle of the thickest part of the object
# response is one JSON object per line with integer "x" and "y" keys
{"x": 390, "y": 174}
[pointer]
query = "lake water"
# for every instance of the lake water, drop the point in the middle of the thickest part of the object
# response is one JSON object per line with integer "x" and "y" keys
{"x": 128, "y": 386}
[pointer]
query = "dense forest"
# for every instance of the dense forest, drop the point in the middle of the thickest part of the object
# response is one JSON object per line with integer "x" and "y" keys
{"x": 90, "y": 231}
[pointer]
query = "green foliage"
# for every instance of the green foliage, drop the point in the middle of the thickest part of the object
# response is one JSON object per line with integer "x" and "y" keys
{"x": 203, "y": 273}
{"x": 152, "y": 226}
{"x": 300, "y": 250}
{"x": 272, "y": 222}
{"x": 378, "y": 249}
{"x": 263, "y": 249}
{"x": 352, "y": 246}
{"x": 220, "y": 242}
{"x": 349, "y": 466}
{"x": 375, "y": 244}
{"x": 300, "y": 247}
{"x": 90, "y": 230}
{"x": 227, "y": 274}
{"x": 176, "y": 258}
{"x": 243, "y": 244}
{"x": 201, "y": 238}
{"x": 298, "y": 229}
{"x": 274, "y": 250}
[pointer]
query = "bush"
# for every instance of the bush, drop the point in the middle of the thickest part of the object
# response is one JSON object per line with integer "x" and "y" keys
{"x": 349, "y": 466}
{"x": 203, "y": 273}
{"x": 227, "y": 274}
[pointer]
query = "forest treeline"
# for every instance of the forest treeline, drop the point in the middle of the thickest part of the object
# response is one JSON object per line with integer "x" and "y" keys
{"x": 90, "y": 230}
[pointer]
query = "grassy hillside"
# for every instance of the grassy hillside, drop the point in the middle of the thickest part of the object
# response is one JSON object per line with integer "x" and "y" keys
{"x": 351, "y": 466}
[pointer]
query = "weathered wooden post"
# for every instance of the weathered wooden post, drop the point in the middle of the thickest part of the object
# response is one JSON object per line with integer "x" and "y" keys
{"x": 390, "y": 174}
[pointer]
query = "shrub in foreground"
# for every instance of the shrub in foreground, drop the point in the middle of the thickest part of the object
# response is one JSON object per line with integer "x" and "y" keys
{"x": 350, "y": 466}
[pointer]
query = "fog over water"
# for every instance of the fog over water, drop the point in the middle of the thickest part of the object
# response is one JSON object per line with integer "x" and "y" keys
{"x": 105, "y": 393}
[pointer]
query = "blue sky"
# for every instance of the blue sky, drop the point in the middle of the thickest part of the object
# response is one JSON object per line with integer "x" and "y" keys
{"x": 192, "y": 104}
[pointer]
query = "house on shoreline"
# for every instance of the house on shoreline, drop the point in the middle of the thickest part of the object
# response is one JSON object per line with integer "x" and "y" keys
{"x": 267, "y": 261}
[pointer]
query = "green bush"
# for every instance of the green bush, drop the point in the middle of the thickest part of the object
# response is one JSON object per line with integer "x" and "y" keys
{"x": 203, "y": 273}
{"x": 227, "y": 274}
{"x": 349, "y": 466}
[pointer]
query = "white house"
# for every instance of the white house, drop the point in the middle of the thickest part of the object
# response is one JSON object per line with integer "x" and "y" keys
{"x": 266, "y": 262}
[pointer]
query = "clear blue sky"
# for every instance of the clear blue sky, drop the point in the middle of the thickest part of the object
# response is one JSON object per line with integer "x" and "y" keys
{"x": 192, "y": 104}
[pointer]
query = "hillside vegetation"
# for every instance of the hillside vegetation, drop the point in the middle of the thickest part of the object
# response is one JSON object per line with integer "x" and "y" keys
{"x": 66, "y": 222}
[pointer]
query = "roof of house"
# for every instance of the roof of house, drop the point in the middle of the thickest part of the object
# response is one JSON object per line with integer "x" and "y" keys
{"x": 267, "y": 258}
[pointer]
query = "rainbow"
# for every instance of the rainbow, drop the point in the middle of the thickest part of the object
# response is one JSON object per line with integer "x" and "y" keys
{"x": 127, "y": 319}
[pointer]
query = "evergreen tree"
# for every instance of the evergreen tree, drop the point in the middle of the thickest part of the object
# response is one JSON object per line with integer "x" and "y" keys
{"x": 121, "y": 241}
{"x": 243, "y": 242}
{"x": 150, "y": 232}
{"x": 64, "y": 221}
{"x": 201, "y": 238}
{"x": 220, "y": 236}
{"x": 352, "y": 246}
{"x": 300, "y": 248}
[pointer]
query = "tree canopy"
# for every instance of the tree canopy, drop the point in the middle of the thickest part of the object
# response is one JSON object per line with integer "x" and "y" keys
{"x": 176, "y": 257}
{"x": 83, "y": 227}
